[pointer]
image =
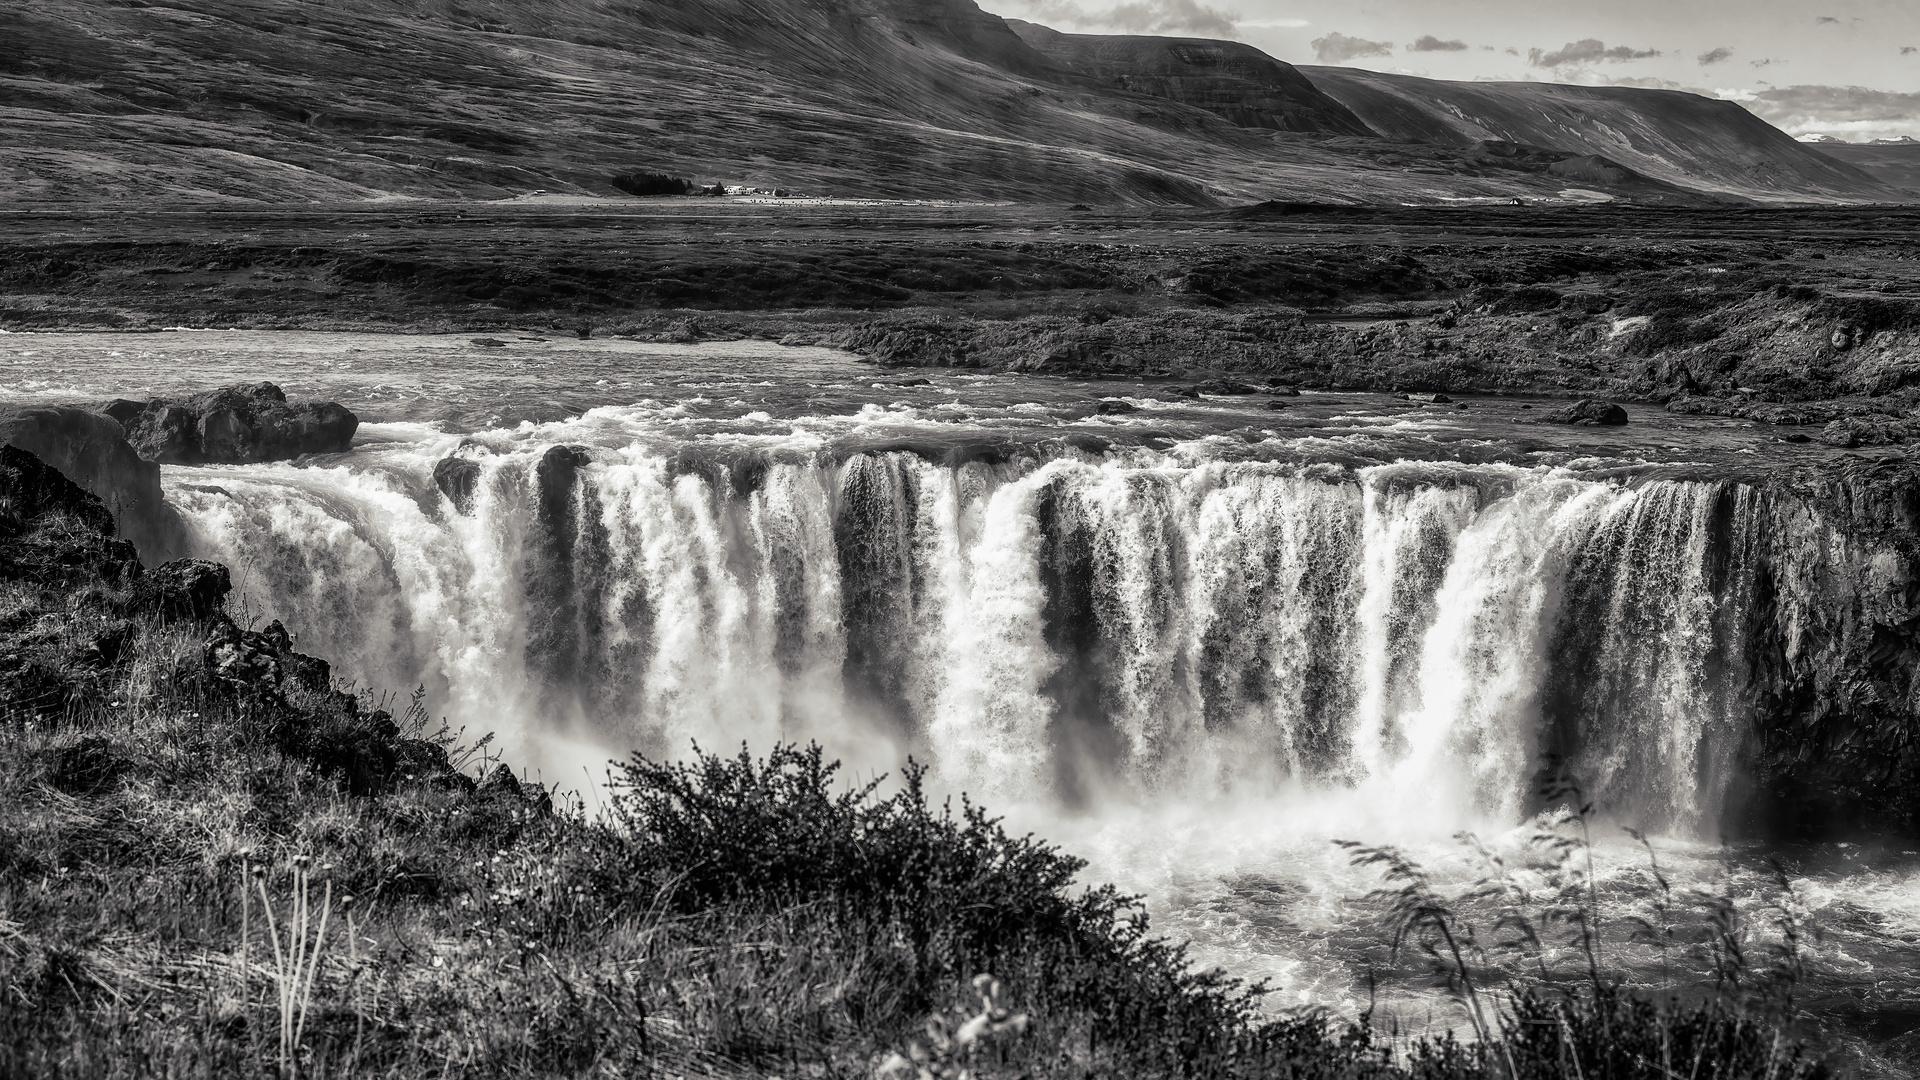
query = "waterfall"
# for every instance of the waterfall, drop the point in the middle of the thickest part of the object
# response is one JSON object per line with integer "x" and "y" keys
{"x": 1065, "y": 627}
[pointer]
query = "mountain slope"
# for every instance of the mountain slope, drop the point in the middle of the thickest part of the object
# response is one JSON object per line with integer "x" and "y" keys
{"x": 279, "y": 101}
{"x": 288, "y": 100}
{"x": 1231, "y": 80}
{"x": 1679, "y": 138}
{"x": 1895, "y": 164}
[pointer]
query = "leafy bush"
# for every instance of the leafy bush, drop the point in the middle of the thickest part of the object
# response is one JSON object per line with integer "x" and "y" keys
{"x": 649, "y": 183}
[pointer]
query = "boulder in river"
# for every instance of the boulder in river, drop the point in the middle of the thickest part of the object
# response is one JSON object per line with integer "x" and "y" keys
{"x": 1589, "y": 413}
{"x": 234, "y": 425}
{"x": 458, "y": 478}
{"x": 1227, "y": 386}
{"x": 1110, "y": 406}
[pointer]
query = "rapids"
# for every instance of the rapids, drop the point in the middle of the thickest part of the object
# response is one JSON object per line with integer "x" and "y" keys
{"x": 1193, "y": 641}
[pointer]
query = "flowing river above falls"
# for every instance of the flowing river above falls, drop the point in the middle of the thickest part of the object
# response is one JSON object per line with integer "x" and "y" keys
{"x": 1193, "y": 641}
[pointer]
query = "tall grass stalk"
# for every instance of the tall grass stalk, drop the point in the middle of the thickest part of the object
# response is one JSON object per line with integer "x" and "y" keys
{"x": 297, "y": 961}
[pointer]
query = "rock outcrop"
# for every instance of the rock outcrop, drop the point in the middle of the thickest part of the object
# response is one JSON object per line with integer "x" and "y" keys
{"x": 1589, "y": 413}
{"x": 234, "y": 425}
{"x": 92, "y": 451}
{"x": 457, "y": 478}
{"x": 1848, "y": 432}
{"x": 82, "y": 610}
{"x": 53, "y": 532}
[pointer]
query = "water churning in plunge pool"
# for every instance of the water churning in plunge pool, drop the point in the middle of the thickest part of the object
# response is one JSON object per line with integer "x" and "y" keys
{"x": 1066, "y": 627}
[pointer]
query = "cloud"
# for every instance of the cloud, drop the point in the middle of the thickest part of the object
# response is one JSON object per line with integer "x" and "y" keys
{"x": 1838, "y": 110}
{"x": 1587, "y": 51}
{"x": 1645, "y": 82}
{"x": 1337, "y": 48}
{"x": 1908, "y": 50}
{"x": 1714, "y": 56}
{"x": 1825, "y": 20}
{"x": 1766, "y": 61}
{"x": 1143, "y": 16}
{"x": 1429, "y": 43}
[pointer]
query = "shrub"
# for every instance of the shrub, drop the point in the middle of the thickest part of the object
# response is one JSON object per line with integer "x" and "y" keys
{"x": 647, "y": 183}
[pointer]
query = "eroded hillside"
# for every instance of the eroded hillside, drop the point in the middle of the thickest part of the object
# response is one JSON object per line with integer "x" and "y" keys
{"x": 1675, "y": 138}
{"x": 283, "y": 101}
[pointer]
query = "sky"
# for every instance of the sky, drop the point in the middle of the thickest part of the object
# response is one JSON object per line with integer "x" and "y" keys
{"x": 1849, "y": 69}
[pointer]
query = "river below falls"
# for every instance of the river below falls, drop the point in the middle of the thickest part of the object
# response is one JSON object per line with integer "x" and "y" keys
{"x": 1193, "y": 641}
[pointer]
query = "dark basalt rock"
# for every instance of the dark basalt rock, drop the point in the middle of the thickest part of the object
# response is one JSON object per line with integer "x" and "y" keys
{"x": 92, "y": 451}
{"x": 183, "y": 589}
{"x": 458, "y": 478}
{"x": 1589, "y": 413}
{"x": 502, "y": 784}
{"x": 1437, "y": 399}
{"x": 1833, "y": 652}
{"x": 1276, "y": 404}
{"x": 264, "y": 660}
{"x": 1226, "y": 386}
{"x": 52, "y": 533}
{"x": 500, "y": 781}
{"x": 554, "y": 476}
{"x": 1114, "y": 406}
{"x": 234, "y": 425}
{"x": 1852, "y": 431}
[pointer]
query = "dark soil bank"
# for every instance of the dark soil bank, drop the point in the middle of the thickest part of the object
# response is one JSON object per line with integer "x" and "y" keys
{"x": 1789, "y": 316}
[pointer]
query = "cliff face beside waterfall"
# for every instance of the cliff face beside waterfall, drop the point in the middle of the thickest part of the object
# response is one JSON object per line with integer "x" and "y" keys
{"x": 1833, "y": 649}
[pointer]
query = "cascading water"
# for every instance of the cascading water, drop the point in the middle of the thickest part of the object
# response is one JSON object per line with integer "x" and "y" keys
{"x": 1040, "y": 628}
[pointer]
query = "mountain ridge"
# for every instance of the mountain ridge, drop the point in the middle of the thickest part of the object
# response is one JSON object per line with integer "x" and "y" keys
{"x": 1235, "y": 81}
{"x": 1666, "y": 135}
{"x": 280, "y": 101}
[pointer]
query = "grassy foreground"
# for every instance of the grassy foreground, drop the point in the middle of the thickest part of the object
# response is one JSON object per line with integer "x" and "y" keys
{"x": 215, "y": 863}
